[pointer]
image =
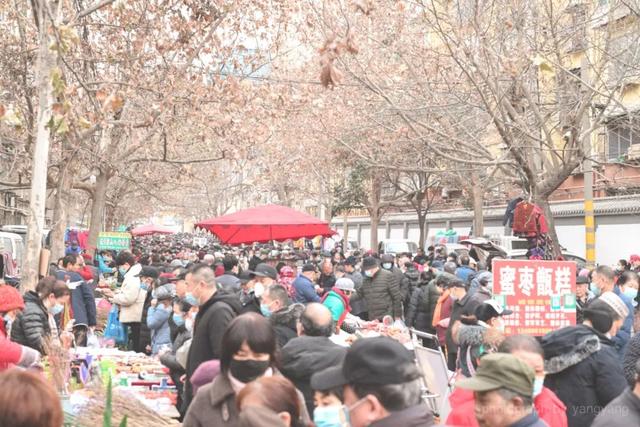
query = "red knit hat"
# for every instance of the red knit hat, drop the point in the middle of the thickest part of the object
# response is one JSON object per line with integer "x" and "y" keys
{"x": 10, "y": 299}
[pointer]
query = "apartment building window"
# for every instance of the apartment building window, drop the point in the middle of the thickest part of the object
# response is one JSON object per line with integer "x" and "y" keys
{"x": 622, "y": 133}
{"x": 624, "y": 59}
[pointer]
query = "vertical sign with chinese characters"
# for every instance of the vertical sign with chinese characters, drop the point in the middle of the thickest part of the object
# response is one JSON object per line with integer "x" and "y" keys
{"x": 540, "y": 293}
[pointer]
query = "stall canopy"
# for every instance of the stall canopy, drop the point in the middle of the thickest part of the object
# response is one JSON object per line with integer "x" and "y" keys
{"x": 265, "y": 223}
{"x": 146, "y": 230}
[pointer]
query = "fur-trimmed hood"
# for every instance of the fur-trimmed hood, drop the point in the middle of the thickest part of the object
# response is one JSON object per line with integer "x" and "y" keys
{"x": 470, "y": 335}
{"x": 288, "y": 316}
{"x": 569, "y": 346}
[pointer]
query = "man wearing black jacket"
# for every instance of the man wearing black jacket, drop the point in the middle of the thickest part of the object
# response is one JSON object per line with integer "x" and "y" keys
{"x": 217, "y": 309}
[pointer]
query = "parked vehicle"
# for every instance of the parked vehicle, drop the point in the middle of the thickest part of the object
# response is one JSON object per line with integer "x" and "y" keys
{"x": 481, "y": 248}
{"x": 12, "y": 244}
{"x": 397, "y": 246}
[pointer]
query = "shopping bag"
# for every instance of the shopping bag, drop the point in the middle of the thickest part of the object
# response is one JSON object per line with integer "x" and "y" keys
{"x": 114, "y": 329}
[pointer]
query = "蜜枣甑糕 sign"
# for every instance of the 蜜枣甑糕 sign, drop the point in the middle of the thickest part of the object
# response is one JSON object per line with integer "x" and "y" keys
{"x": 542, "y": 294}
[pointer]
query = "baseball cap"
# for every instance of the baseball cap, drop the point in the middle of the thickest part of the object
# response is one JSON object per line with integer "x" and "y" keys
{"x": 147, "y": 271}
{"x": 309, "y": 267}
{"x": 265, "y": 270}
{"x": 582, "y": 280}
{"x": 344, "y": 284}
{"x": 245, "y": 277}
{"x": 490, "y": 309}
{"x": 163, "y": 292}
{"x": 370, "y": 361}
{"x": 501, "y": 370}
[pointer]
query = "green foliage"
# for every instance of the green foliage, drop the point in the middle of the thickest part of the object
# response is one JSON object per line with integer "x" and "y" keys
{"x": 108, "y": 409}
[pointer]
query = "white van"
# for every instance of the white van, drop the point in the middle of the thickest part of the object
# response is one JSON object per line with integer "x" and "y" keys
{"x": 12, "y": 244}
{"x": 397, "y": 246}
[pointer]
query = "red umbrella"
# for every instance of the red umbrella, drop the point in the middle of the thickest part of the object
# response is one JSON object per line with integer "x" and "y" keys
{"x": 265, "y": 223}
{"x": 146, "y": 230}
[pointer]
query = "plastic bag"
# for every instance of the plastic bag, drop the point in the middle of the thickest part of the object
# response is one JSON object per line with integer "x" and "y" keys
{"x": 114, "y": 329}
{"x": 92, "y": 340}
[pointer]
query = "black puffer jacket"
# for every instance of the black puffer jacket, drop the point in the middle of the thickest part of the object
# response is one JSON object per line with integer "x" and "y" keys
{"x": 32, "y": 325}
{"x": 410, "y": 284}
{"x": 421, "y": 307}
{"x": 631, "y": 357}
{"x": 583, "y": 370}
{"x": 284, "y": 323}
{"x": 304, "y": 356}
{"x": 382, "y": 293}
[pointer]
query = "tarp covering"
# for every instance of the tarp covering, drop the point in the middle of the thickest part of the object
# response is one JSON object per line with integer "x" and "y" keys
{"x": 145, "y": 230}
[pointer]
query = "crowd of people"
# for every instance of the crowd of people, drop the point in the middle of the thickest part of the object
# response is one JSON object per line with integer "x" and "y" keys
{"x": 264, "y": 336}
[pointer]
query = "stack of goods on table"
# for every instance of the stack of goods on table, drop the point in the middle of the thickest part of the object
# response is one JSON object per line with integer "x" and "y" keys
{"x": 141, "y": 388}
{"x": 396, "y": 330}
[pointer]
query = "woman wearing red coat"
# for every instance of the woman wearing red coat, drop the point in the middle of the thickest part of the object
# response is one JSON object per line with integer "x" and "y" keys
{"x": 12, "y": 353}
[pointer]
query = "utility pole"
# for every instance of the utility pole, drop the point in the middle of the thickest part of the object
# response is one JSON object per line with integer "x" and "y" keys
{"x": 587, "y": 168}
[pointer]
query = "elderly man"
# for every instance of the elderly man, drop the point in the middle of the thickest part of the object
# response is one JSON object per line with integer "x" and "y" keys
{"x": 312, "y": 351}
{"x": 381, "y": 385}
{"x": 380, "y": 290}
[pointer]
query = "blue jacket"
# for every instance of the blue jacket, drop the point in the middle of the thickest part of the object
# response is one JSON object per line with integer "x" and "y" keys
{"x": 463, "y": 272}
{"x": 158, "y": 323}
{"x": 102, "y": 266}
{"x": 305, "y": 290}
{"x": 624, "y": 334}
{"x": 83, "y": 302}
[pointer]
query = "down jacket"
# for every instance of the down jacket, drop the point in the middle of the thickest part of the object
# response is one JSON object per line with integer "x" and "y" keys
{"x": 382, "y": 294}
{"x": 130, "y": 297}
{"x": 421, "y": 307}
{"x": 583, "y": 370}
{"x": 284, "y": 323}
{"x": 33, "y": 324}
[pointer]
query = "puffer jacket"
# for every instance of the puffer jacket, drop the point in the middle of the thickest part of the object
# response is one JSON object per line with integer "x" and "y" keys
{"x": 382, "y": 294}
{"x": 583, "y": 370}
{"x": 631, "y": 357}
{"x": 284, "y": 322}
{"x": 410, "y": 282}
{"x": 169, "y": 359}
{"x": 158, "y": 323}
{"x": 479, "y": 277}
{"x": 358, "y": 303}
{"x": 130, "y": 297}
{"x": 421, "y": 307}
{"x": 32, "y": 325}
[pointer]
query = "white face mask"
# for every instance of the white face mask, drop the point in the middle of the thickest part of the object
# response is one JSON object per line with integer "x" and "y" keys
{"x": 538, "y": 385}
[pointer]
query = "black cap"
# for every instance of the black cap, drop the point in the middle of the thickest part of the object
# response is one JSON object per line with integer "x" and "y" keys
{"x": 490, "y": 309}
{"x": 245, "y": 277}
{"x": 582, "y": 280}
{"x": 147, "y": 271}
{"x": 265, "y": 270}
{"x": 370, "y": 361}
{"x": 309, "y": 267}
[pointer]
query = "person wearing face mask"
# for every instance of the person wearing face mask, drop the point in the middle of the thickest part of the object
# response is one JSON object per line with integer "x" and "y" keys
{"x": 461, "y": 306}
{"x": 527, "y": 349}
{"x": 130, "y": 298}
{"x": 275, "y": 305}
{"x": 261, "y": 278}
{"x": 583, "y": 297}
{"x": 628, "y": 283}
{"x": 581, "y": 364}
{"x": 388, "y": 263}
{"x": 158, "y": 318}
{"x": 182, "y": 318}
{"x": 37, "y": 321}
{"x": 248, "y": 352}
{"x": 471, "y": 334}
{"x": 603, "y": 279}
{"x": 380, "y": 290}
{"x": 11, "y": 353}
{"x": 381, "y": 385}
{"x": 216, "y": 309}
{"x": 337, "y": 300}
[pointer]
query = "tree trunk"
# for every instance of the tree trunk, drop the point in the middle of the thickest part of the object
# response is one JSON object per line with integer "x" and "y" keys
{"x": 374, "y": 208}
{"x": 422, "y": 222}
{"x": 375, "y": 221}
{"x": 345, "y": 229}
{"x": 97, "y": 210}
{"x": 477, "y": 196}
{"x": 38, "y": 196}
{"x": 543, "y": 202}
{"x": 60, "y": 215}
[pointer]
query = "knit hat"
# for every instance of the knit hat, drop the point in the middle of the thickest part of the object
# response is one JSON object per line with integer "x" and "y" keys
{"x": 369, "y": 263}
{"x": 616, "y": 303}
{"x": 634, "y": 258}
{"x": 10, "y": 299}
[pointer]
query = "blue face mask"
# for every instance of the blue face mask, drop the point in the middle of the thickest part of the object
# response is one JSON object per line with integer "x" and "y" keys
{"x": 192, "y": 300}
{"x": 265, "y": 310}
{"x": 631, "y": 293}
{"x": 122, "y": 271}
{"x": 178, "y": 319}
{"x": 328, "y": 416}
{"x": 56, "y": 309}
{"x": 595, "y": 289}
{"x": 387, "y": 265}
